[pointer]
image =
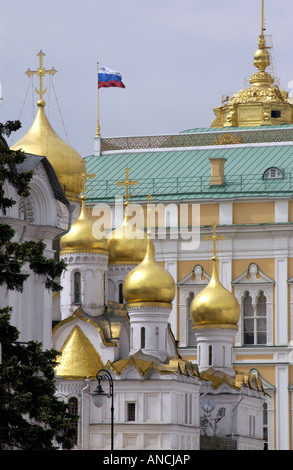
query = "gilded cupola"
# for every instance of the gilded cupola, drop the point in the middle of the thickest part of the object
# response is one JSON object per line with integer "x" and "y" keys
{"x": 81, "y": 236}
{"x": 214, "y": 306}
{"x": 149, "y": 283}
{"x": 127, "y": 244}
{"x": 41, "y": 139}
{"x": 263, "y": 103}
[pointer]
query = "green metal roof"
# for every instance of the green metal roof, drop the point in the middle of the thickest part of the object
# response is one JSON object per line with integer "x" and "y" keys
{"x": 185, "y": 174}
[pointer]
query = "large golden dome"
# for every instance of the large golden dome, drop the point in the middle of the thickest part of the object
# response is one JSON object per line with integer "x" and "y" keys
{"x": 80, "y": 238}
{"x": 126, "y": 246}
{"x": 214, "y": 306}
{"x": 149, "y": 283}
{"x": 41, "y": 139}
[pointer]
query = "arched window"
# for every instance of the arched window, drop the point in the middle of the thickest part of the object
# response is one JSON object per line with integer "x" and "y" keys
{"x": 77, "y": 288}
{"x": 210, "y": 355}
{"x": 273, "y": 173}
{"x": 120, "y": 293}
{"x": 142, "y": 337}
{"x": 73, "y": 409}
{"x": 255, "y": 319}
{"x": 191, "y": 335}
{"x": 157, "y": 337}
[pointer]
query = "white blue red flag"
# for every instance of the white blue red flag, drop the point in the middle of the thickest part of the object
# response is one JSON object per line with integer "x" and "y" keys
{"x": 109, "y": 78}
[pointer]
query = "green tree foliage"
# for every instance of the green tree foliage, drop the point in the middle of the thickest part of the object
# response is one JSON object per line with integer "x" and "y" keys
{"x": 31, "y": 416}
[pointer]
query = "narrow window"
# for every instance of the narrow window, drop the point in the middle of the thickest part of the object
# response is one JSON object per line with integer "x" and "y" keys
{"x": 210, "y": 355}
{"x": 191, "y": 335}
{"x": 73, "y": 409}
{"x": 130, "y": 411}
{"x": 142, "y": 337}
{"x": 223, "y": 356}
{"x": 248, "y": 321}
{"x": 120, "y": 294}
{"x": 77, "y": 288}
{"x": 157, "y": 337}
{"x": 265, "y": 426}
{"x": 261, "y": 319}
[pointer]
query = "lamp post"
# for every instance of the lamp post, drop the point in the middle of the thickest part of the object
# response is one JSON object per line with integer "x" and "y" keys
{"x": 99, "y": 397}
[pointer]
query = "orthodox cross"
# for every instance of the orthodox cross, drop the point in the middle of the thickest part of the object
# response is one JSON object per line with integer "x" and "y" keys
{"x": 214, "y": 238}
{"x": 84, "y": 176}
{"x": 41, "y": 72}
{"x": 127, "y": 183}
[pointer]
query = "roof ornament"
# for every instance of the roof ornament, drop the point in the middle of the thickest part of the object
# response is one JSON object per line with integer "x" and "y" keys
{"x": 41, "y": 72}
{"x": 214, "y": 239}
{"x": 127, "y": 183}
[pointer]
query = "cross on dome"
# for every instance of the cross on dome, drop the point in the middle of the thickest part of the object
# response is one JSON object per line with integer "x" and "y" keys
{"x": 127, "y": 183}
{"x": 41, "y": 72}
{"x": 214, "y": 238}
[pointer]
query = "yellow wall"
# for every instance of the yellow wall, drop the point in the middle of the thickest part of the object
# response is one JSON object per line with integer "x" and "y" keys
{"x": 253, "y": 212}
{"x": 209, "y": 214}
{"x": 266, "y": 265}
{"x": 290, "y": 215}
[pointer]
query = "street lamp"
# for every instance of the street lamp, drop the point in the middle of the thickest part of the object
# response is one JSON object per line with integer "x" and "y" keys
{"x": 99, "y": 397}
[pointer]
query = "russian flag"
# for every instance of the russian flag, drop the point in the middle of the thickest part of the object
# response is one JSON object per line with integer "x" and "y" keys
{"x": 109, "y": 78}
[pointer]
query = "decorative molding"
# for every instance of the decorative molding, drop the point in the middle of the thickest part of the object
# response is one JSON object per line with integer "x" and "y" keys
{"x": 193, "y": 283}
{"x": 254, "y": 281}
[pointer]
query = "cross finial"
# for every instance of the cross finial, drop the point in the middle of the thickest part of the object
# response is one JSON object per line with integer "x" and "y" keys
{"x": 149, "y": 216}
{"x": 127, "y": 183}
{"x": 84, "y": 176}
{"x": 41, "y": 72}
{"x": 214, "y": 238}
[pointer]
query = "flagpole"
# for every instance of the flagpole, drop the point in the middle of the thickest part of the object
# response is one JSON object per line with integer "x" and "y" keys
{"x": 98, "y": 131}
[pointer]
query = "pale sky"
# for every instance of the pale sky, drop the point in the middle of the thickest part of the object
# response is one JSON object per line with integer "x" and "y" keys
{"x": 177, "y": 58}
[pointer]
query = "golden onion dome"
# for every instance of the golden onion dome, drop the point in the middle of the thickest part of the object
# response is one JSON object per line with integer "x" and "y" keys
{"x": 125, "y": 245}
{"x": 80, "y": 238}
{"x": 149, "y": 283}
{"x": 214, "y": 306}
{"x": 41, "y": 139}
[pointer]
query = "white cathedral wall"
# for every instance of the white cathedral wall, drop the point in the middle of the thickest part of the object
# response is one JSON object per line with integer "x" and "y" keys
{"x": 166, "y": 414}
{"x": 94, "y": 283}
{"x": 33, "y": 218}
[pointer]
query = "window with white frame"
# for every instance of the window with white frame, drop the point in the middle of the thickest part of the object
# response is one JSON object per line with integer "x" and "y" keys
{"x": 254, "y": 292}
{"x": 273, "y": 173}
{"x": 77, "y": 288}
{"x": 254, "y": 319}
{"x": 189, "y": 287}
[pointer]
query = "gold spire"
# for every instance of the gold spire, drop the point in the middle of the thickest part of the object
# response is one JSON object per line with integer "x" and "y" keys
{"x": 214, "y": 306}
{"x": 126, "y": 246}
{"x": 263, "y": 103}
{"x": 41, "y": 139}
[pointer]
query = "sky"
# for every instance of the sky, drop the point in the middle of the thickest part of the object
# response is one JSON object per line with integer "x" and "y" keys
{"x": 177, "y": 59}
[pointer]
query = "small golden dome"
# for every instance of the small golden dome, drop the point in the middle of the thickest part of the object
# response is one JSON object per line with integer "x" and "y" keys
{"x": 126, "y": 246}
{"x": 261, "y": 57}
{"x": 214, "y": 306}
{"x": 149, "y": 283}
{"x": 80, "y": 238}
{"x": 42, "y": 140}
